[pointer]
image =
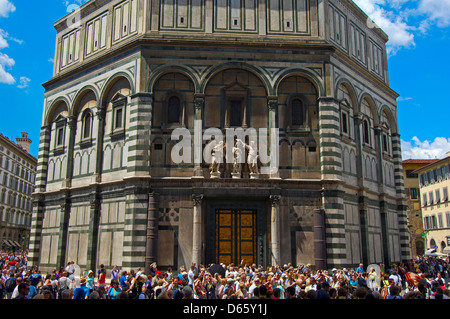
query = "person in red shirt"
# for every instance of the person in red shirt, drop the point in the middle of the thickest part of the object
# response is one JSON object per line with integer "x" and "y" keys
{"x": 12, "y": 264}
{"x": 102, "y": 277}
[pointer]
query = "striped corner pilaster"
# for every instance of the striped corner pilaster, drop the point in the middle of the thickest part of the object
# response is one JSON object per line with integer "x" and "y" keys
{"x": 330, "y": 139}
{"x": 139, "y": 135}
{"x": 334, "y": 214}
{"x": 398, "y": 167}
{"x": 43, "y": 155}
{"x": 135, "y": 228}
{"x": 36, "y": 231}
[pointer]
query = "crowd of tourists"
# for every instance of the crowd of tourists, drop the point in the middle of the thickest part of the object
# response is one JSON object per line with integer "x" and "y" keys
{"x": 423, "y": 277}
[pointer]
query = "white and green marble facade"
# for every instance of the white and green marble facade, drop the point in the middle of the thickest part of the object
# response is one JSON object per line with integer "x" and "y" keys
{"x": 92, "y": 194}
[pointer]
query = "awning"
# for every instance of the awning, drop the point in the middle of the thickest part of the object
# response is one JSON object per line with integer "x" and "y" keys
{"x": 10, "y": 243}
{"x": 446, "y": 250}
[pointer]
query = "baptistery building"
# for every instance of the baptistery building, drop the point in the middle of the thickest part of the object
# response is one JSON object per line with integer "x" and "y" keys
{"x": 134, "y": 166}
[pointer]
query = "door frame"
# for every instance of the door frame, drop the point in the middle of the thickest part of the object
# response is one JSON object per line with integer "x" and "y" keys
{"x": 260, "y": 206}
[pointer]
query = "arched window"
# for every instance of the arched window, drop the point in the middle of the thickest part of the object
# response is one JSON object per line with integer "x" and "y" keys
{"x": 386, "y": 135}
{"x": 297, "y": 113}
{"x": 87, "y": 125}
{"x": 366, "y": 131}
{"x": 174, "y": 110}
{"x": 60, "y": 132}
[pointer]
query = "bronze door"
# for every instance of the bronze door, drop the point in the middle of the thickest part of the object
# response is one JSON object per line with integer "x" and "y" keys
{"x": 235, "y": 236}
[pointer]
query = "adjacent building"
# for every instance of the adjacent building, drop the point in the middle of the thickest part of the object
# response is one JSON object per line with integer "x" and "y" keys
{"x": 127, "y": 74}
{"x": 434, "y": 181}
{"x": 415, "y": 222}
{"x": 17, "y": 177}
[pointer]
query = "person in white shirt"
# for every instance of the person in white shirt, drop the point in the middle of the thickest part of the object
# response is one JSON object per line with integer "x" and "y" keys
{"x": 191, "y": 275}
{"x": 15, "y": 293}
{"x": 396, "y": 278}
{"x": 255, "y": 284}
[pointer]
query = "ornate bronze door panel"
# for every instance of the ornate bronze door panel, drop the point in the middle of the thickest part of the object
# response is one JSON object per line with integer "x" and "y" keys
{"x": 236, "y": 237}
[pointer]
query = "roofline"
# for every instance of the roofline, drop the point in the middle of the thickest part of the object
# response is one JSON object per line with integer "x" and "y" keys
{"x": 16, "y": 146}
{"x": 438, "y": 162}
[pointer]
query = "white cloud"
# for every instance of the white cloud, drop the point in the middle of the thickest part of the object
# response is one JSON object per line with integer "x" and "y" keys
{"x": 6, "y": 7}
{"x": 6, "y": 63}
{"x": 416, "y": 149}
{"x": 6, "y": 77}
{"x": 3, "y": 40}
{"x": 403, "y": 20}
{"x": 436, "y": 11}
{"x": 5, "y": 37}
{"x": 394, "y": 25}
{"x": 24, "y": 81}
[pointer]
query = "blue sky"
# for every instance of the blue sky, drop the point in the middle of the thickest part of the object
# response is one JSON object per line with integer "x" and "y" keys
{"x": 419, "y": 67}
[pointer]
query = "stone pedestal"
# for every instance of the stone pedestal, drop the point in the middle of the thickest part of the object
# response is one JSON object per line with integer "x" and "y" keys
{"x": 254, "y": 176}
{"x": 215, "y": 174}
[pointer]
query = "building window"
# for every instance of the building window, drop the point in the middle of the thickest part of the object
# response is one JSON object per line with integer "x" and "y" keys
{"x": 386, "y": 148}
{"x": 118, "y": 120}
{"x": 297, "y": 112}
{"x": 438, "y": 196}
{"x": 430, "y": 198}
{"x": 174, "y": 110}
{"x": 366, "y": 132}
{"x": 60, "y": 136}
{"x": 60, "y": 132}
{"x": 445, "y": 194}
{"x": 235, "y": 113}
{"x": 87, "y": 126}
{"x": 410, "y": 174}
{"x": 413, "y": 192}
{"x": 297, "y": 117}
{"x": 344, "y": 119}
{"x": 447, "y": 215}
{"x": 236, "y": 96}
{"x": 441, "y": 221}
{"x": 424, "y": 200}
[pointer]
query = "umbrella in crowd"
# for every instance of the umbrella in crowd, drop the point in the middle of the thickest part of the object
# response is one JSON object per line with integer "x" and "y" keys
{"x": 217, "y": 269}
{"x": 412, "y": 278}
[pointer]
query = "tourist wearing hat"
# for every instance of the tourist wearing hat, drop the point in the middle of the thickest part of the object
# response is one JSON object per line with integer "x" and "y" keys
{"x": 81, "y": 292}
{"x": 90, "y": 281}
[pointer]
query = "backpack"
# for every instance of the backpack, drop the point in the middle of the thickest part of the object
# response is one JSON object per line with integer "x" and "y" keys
{"x": 10, "y": 284}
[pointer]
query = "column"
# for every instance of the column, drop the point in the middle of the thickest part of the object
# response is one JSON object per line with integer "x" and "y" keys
{"x": 385, "y": 233}
{"x": 358, "y": 141}
{"x": 320, "y": 248}
{"x": 378, "y": 147}
{"x": 275, "y": 229}
{"x": 152, "y": 232}
{"x": 364, "y": 229}
{"x": 94, "y": 221}
{"x": 72, "y": 124}
{"x": 197, "y": 229}
{"x": 63, "y": 232}
{"x": 199, "y": 101}
{"x": 101, "y": 112}
{"x": 272, "y": 104}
